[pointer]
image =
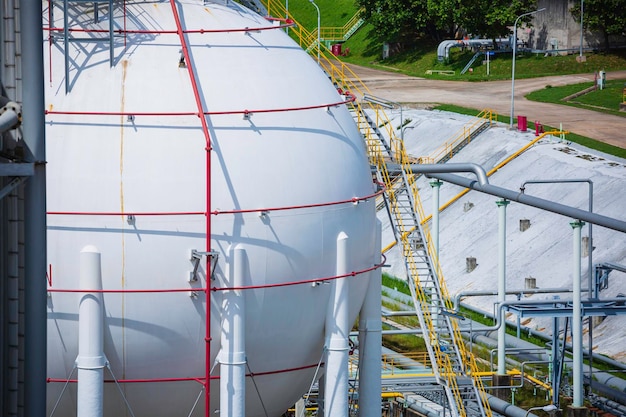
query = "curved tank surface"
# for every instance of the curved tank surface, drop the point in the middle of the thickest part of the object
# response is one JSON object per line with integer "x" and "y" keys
{"x": 170, "y": 121}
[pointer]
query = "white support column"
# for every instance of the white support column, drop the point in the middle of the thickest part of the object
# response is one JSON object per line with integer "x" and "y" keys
{"x": 436, "y": 185}
{"x": 577, "y": 323}
{"x": 434, "y": 301}
{"x": 502, "y": 282}
{"x": 90, "y": 361}
{"x": 370, "y": 341}
{"x": 337, "y": 331}
{"x": 233, "y": 352}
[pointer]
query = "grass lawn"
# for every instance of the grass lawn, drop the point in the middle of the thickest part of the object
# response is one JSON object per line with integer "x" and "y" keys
{"x": 333, "y": 13}
{"x": 366, "y": 49}
{"x": 606, "y": 100}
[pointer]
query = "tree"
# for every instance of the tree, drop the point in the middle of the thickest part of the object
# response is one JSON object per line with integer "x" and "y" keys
{"x": 406, "y": 21}
{"x": 492, "y": 19}
{"x": 605, "y": 16}
{"x": 396, "y": 21}
{"x": 444, "y": 17}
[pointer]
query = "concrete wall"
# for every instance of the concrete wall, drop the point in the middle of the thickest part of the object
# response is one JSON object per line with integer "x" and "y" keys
{"x": 556, "y": 29}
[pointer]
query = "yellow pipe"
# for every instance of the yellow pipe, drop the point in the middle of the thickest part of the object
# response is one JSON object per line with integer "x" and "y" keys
{"x": 497, "y": 167}
{"x": 392, "y": 395}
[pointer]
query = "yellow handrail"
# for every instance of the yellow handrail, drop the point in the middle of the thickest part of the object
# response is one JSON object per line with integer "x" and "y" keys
{"x": 464, "y": 134}
{"x": 500, "y": 165}
{"x": 338, "y": 33}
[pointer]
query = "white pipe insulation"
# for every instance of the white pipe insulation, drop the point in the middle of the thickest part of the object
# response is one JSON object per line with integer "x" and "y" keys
{"x": 91, "y": 360}
{"x": 502, "y": 281}
{"x": 577, "y": 323}
{"x": 434, "y": 298}
{"x": 233, "y": 353}
{"x": 337, "y": 332}
{"x": 370, "y": 341}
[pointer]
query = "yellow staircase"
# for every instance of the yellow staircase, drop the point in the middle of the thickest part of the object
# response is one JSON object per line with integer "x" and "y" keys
{"x": 453, "y": 365}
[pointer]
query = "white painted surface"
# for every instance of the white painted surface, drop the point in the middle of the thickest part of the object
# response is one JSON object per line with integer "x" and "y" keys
{"x": 370, "y": 346}
{"x": 545, "y": 250}
{"x": 157, "y": 164}
{"x": 90, "y": 361}
{"x": 232, "y": 357}
{"x": 337, "y": 332}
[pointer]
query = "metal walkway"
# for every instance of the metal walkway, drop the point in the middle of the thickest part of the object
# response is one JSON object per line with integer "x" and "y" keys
{"x": 451, "y": 363}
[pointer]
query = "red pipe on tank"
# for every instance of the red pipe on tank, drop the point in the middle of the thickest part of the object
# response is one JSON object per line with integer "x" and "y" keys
{"x": 205, "y": 130}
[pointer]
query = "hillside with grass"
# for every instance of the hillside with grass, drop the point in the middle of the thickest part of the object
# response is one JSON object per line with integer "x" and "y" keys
{"x": 366, "y": 49}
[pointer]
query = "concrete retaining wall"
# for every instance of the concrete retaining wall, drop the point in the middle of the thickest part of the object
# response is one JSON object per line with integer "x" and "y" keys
{"x": 556, "y": 29}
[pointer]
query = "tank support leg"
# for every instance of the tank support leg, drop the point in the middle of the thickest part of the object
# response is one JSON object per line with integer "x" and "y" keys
{"x": 91, "y": 360}
{"x": 233, "y": 354}
{"x": 337, "y": 331}
{"x": 370, "y": 342}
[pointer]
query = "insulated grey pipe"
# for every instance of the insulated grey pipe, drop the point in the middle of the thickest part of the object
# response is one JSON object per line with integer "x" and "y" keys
{"x": 35, "y": 297}
{"x": 577, "y": 321}
{"x": 609, "y": 380}
{"x": 590, "y": 240}
{"x": 507, "y": 409}
{"x": 460, "y": 295}
{"x": 613, "y": 406}
{"x": 476, "y": 169}
{"x": 547, "y": 205}
{"x": 600, "y": 377}
{"x": 413, "y": 405}
{"x": 596, "y": 357}
{"x": 501, "y": 280}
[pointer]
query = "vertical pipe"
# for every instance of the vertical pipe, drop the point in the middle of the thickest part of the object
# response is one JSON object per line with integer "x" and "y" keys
{"x": 90, "y": 361}
{"x": 502, "y": 281}
{"x": 337, "y": 331}
{"x": 513, "y": 63}
{"x": 513, "y": 73}
{"x": 207, "y": 137}
{"x": 577, "y": 327}
{"x": 35, "y": 328}
{"x": 13, "y": 305}
{"x": 111, "y": 33}
{"x": 286, "y": 17}
{"x": 233, "y": 353}
{"x": 436, "y": 185}
{"x": 555, "y": 378}
{"x": 370, "y": 341}
{"x": 519, "y": 321}
{"x": 582, "y": 28}
{"x": 66, "y": 47}
{"x": 9, "y": 49}
{"x": 590, "y": 293}
{"x": 401, "y": 124}
{"x": 207, "y": 291}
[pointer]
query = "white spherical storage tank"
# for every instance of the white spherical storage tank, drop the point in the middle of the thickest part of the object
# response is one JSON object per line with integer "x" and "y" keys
{"x": 203, "y": 154}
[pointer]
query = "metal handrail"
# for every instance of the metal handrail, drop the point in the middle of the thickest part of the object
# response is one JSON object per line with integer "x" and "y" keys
{"x": 464, "y": 134}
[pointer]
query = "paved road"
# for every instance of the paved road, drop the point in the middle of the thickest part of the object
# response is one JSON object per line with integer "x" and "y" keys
{"x": 496, "y": 95}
